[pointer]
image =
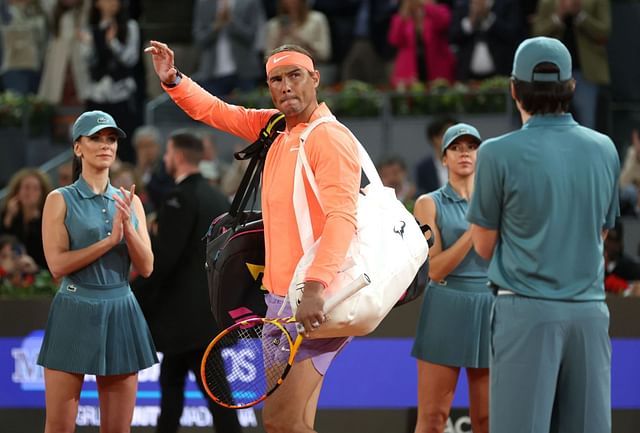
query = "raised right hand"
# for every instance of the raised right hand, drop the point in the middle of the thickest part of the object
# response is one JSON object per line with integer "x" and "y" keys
{"x": 163, "y": 59}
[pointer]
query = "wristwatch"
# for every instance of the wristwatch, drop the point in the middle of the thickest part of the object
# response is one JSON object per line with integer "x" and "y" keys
{"x": 175, "y": 82}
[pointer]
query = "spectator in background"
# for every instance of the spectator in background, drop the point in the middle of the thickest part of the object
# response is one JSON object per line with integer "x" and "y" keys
{"x": 234, "y": 173}
{"x": 296, "y": 24}
{"x": 114, "y": 52}
{"x": 341, "y": 15}
{"x": 65, "y": 174}
{"x": 170, "y": 21}
{"x": 630, "y": 177}
{"x": 621, "y": 272}
{"x": 147, "y": 144}
{"x": 430, "y": 173}
{"x": 486, "y": 34}
{"x": 21, "y": 210}
{"x": 370, "y": 54}
{"x": 147, "y": 141}
{"x": 225, "y": 32}
{"x": 175, "y": 299}
{"x": 393, "y": 173}
{"x": 23, "y": 28}
{"x": 17, "y": 268}
{"x": 584, "y": 27}
{"x": 211, "y": 167}
{"x": 65, "y": 74}
{"x": 420, "y": 32}
{"x": 126, "y": 176}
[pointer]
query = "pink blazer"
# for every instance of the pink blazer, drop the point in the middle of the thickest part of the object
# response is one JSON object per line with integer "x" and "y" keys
{"x": 439, "y": 58}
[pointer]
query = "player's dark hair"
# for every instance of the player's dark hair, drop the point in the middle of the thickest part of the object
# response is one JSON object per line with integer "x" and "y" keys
{"x": 544, "y": 97}
{"x": 189, "y": 144}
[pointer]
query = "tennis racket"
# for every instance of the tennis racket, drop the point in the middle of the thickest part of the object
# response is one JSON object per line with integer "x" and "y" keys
{"x": 246, "y": 362}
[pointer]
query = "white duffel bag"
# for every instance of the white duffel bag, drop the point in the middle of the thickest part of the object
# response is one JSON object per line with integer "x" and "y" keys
{"x": 389, "y": 247}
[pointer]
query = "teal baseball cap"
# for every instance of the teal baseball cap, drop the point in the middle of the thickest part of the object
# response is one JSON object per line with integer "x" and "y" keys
{"x": 91, "y": 122}
{"x": 534, "y": 51}
{"x": 456, "y": 131}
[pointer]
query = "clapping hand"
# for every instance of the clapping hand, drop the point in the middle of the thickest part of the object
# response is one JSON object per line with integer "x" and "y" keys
{"x": 112, "y": 31}
{"x": 122, "y": 221}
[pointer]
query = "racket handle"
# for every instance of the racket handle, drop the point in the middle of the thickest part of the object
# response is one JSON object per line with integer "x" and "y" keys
{"x": 357, "y": 284}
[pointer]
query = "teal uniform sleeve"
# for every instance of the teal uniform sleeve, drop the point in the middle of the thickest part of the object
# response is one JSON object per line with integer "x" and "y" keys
{"x": 485, "y": 208}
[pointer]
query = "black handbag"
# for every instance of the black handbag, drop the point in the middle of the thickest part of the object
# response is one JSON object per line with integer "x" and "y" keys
{"x": 235, "y": 242}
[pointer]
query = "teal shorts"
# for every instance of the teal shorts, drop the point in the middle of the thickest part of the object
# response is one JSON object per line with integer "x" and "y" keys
{"x": 550, "y": 365}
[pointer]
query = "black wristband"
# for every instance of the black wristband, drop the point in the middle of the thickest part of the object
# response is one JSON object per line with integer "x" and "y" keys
{"x": 176, "y": 81}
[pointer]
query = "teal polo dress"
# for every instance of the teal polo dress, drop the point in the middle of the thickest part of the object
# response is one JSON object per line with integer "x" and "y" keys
{"x": 95, "y": 324}
{"x": 453, "y": 328}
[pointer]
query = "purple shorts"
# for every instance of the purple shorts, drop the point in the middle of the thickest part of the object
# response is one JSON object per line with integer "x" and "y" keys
{"x": 320, "y": 350}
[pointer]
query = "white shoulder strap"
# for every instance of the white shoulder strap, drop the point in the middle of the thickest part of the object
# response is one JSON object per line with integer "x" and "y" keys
{"x": 300, "y": 203}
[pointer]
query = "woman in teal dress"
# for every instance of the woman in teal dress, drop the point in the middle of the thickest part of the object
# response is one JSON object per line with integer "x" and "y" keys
{"x": 92, "y": 233}
{"x": 453, "y": 329}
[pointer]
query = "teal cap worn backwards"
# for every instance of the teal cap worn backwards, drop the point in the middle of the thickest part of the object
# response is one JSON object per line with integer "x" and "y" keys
{"x": 456, "y": 131}
{"x": 534, "y": 51}
{"x": 91, "y": 122}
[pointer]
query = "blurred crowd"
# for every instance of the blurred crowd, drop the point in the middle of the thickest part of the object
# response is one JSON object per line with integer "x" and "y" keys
{"x": 87, "y": 53}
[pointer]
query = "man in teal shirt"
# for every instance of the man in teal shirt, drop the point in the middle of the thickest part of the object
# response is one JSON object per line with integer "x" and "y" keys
{"x": 544, "y": 198}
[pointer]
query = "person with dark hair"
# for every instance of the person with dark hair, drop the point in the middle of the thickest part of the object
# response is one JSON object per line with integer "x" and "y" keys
{"x": 393, "y": 173}
{"x": 457, "y": 303}
{"x": 115, "y": 51}
{"x": 92, "y": 234}
{"x": 545, "y": 197}
{"x": 430, "y": 173}
{"x": 174, "y": 298}
{"x": 333, "y": 157}
{"x": 485, "y": 34}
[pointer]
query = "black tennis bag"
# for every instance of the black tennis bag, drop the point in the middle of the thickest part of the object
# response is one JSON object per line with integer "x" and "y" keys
{"x": 235, "y": 242}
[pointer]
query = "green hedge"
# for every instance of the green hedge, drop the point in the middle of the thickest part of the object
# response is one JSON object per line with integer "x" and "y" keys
{"x": 38, "y": 285}
{"x": 18, "y": 111}
{"x": 358, "y": 99}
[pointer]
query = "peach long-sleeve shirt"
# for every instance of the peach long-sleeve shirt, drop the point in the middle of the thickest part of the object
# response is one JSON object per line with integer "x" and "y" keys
{"x": 333, "y": 157}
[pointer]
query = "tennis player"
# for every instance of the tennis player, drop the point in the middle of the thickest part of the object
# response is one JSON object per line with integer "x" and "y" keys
{"x": 333, "y": 156}
{"x": 544, "y": 198}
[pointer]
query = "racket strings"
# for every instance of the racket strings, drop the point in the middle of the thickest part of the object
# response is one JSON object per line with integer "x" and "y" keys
{"x": 245, "y": 364}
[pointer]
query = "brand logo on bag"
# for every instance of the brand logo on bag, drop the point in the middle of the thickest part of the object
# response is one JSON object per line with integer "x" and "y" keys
{"x": 399, "y": 228}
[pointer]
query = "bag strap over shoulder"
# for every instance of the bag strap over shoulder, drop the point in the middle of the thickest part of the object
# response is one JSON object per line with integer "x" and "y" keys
{"x": 257, "y": 152}
{"x": 300, "y": 203}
